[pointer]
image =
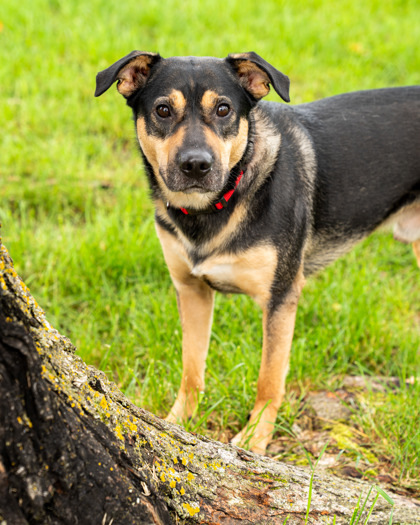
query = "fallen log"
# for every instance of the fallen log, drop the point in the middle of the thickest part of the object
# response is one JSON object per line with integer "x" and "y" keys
{"x": 74, "y": 450}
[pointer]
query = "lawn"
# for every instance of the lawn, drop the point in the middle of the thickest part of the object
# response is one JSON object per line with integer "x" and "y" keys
{"x": 78, "y": 222}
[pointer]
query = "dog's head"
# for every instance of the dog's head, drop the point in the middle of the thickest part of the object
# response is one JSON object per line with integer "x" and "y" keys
{"x": 191, "y": 115}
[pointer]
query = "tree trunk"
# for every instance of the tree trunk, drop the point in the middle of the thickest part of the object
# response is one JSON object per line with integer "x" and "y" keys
{"x": 74, "y": 450}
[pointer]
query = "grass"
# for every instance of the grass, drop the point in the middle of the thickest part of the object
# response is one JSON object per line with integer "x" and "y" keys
{"x": 358, "y": 511}
{"x": 78, "y": 223}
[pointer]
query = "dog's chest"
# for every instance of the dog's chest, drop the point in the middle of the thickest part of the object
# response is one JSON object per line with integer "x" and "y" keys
{"x": 250, "y": 272}
{"x": 220, "y": 274}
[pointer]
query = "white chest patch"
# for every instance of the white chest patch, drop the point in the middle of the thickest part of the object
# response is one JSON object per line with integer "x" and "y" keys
{"x": 250, "y": 272}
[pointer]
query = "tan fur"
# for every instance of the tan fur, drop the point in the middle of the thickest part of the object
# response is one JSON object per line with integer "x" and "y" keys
{"x": 406, "y": 226}
{"x": 176, "y": 257}
{"x": 159, "y": 153}
{"x": 250, "y": 271}
{"x": 267, "y": 143}
{"x": 195, "y": 304}
{"x": 253, "y": 78}
{"x": 218, "y": 242}
{"x": 407, "y": 223}
{"x": 134, "y": 75}
{"x": 239, "y": 143}
{"x": 149, "y": 144}
{"x": 208, "y": 101}
{"x": 162, "y": 213}
{"x": 239, "y": 55}
{"x": 277, "y": 342}
{"x": 177, "y": 101}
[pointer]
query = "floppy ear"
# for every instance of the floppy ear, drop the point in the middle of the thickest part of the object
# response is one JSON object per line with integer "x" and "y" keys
{"x": 255, "y": 74}
{"x": 132, "y": 73}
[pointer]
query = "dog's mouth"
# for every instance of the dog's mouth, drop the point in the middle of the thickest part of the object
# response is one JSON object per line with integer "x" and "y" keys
{"x": 177, "y": 181}
{"x": 182, "y": 191}
{"x": 194, "y": 189}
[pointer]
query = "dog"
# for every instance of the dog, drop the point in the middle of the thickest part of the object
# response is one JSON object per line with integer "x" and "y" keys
{"x": 253, "y": 196}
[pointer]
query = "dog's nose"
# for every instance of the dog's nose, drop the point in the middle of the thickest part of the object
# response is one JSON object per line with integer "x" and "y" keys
{"x": 195, "y": 163}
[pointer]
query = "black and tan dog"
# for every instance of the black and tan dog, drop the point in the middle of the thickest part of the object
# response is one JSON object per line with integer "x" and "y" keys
{"x": 252, "y": 197}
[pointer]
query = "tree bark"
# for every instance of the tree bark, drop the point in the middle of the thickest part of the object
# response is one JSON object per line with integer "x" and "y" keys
{"x": 74, "y": 450}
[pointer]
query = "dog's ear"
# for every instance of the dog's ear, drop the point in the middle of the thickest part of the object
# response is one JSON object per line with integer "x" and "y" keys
{"x": 131, "y": 71}
{"x": 255, "y": 74}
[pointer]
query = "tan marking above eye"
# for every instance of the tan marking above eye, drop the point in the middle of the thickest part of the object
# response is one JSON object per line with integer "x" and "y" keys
{"x": 177, "y": 101}
{"x": 211, "y": 102}
{"x": 208, "y": 100}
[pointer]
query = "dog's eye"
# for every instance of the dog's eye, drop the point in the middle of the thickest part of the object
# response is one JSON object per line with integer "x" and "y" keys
{"x": 163, "y": 111}
{"x": 223, "y": 110}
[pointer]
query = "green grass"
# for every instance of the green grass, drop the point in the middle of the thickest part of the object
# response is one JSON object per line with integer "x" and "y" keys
{"x": 79, "y": 226}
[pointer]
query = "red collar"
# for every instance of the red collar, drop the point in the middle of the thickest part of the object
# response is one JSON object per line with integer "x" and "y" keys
{"x": 217, "y": 205}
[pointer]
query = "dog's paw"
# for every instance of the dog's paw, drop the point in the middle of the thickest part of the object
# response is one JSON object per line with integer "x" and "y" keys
{"x": 251, "y": 440}
{"x": 171, "y": 418}
{"x": 256, "y": 435}
{"x": 183, "y": 409}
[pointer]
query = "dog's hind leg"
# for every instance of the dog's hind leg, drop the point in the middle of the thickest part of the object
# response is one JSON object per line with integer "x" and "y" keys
{"x": 407, "y": 228}
{"x": 416, "y": 249}
{"x": 277, "y": 340}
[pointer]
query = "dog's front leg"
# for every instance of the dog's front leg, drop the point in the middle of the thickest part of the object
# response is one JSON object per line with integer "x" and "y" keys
{"x": 278, "y": 328}
{"x": 195, "y": 304}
